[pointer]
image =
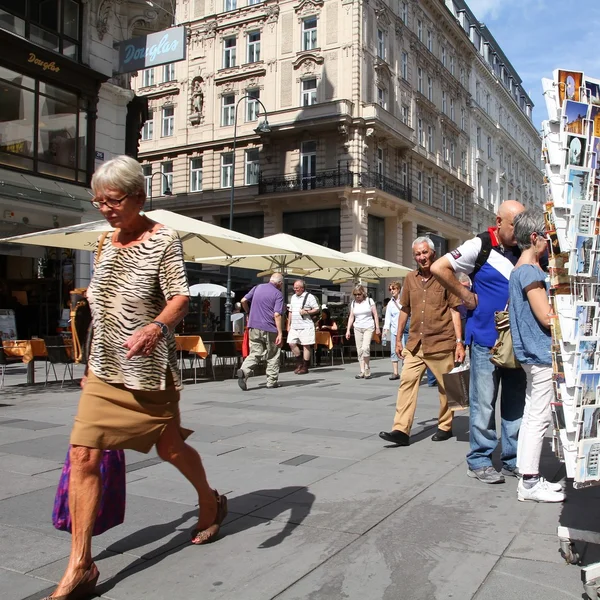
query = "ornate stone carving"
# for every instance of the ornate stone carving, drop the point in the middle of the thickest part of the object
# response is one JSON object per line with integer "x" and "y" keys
{"x": 308, "y": 62}
{"x": 306, "y": 8}
{"x": 272, "y": 13}
{"x": 197, "y": 101}
{"x": 105, "y": 10}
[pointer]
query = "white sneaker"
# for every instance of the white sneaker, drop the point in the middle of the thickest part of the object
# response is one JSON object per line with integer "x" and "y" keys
{"x": 555, "y": 487}
{"x": 540, "y": 492}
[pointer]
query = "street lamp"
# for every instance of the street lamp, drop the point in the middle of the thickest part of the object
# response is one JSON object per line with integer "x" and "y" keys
{"x": 262, "y": 128}
{"x": 166, "y": 192}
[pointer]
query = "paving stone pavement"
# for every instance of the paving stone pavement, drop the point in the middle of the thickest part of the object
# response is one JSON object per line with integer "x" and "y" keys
{"x": 320, "y": 508}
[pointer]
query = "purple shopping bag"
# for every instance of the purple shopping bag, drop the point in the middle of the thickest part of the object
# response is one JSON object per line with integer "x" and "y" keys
{"x": 112, "y": 503}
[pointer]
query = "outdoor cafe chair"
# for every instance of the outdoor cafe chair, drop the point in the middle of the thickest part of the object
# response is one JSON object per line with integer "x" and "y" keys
{"x": 58, "y": 355}
{"x": 224, "y": 351}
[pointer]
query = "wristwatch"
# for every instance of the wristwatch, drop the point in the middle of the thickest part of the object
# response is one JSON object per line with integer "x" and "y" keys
{"x": 459, "y": 341}
{"x": 164, "y": 330}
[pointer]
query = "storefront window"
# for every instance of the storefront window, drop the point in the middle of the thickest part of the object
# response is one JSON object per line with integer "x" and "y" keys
{"x": 53, "y": 24}
{"x": 319, "y": 226}
{"x": 376, "y": 239}
{"x": 54, "y": 143}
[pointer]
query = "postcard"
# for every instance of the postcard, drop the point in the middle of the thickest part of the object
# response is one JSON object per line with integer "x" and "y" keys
{"x": 557, "y": 190}
{"x": 585, "y": 359}
{"x": 558, "y": 370}
{"x": 585, "y": 314}
{"x": 576, "y": 150}
{"x": 577, "y": 185}
{"x": 569, "y": 85}
{"x": 574, "y": 116}
{"x": 563, "y": 307}
{"x": 592, "y": 90}
{"x": 588, "y": 388}
{"x": 594, "y": 117}
{"x": 559, "y": 415}
{"x": 588, "y": 460}
{"x": 583, "y": 218}
{"x": 593, "y": 152}
{"x": 582, "y": 255}
{"x": 588, "y": 426}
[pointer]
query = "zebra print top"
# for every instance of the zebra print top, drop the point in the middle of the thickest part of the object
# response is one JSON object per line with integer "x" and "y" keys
{"x": 129, "y": 289}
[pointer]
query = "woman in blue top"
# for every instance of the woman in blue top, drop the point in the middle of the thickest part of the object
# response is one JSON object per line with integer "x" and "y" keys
{"x": 390, "y": 325}
{"x": 530, "y": 313}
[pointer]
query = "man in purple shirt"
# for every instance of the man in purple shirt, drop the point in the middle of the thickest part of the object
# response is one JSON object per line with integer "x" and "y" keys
{"x": 264, "y": 323}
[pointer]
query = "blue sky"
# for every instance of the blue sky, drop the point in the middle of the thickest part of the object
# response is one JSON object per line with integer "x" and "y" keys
{"x": 539, "y": 36}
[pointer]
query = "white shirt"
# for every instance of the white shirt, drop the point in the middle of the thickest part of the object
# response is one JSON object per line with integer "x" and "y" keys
{"x": 302, "y": 321}
{"x": 392, "y": 312}
{"x": 363, "y": 317}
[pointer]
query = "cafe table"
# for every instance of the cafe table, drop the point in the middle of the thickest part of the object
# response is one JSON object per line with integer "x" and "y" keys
{"x": 323, "y": 338}
{"x": 27, "y": 351}
{"x": 189, "y": 343}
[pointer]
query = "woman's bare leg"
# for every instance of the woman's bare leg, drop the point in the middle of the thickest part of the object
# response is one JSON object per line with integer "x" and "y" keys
{"x": 85, "y": 488}
{"x": 172, "y": 448}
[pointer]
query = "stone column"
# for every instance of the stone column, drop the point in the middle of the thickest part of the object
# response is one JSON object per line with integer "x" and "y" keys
{"x": 409, "y": 234}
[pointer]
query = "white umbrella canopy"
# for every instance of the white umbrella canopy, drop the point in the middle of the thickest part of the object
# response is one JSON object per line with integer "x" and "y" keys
{"x": 371, "y": 269}
{"x": 200, "y": 239}
{"x": 307, "y": 256}
{"x": 209, "y": 290}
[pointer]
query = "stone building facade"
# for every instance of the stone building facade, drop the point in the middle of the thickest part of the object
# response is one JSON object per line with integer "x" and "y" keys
{"x": 370, "y": 113}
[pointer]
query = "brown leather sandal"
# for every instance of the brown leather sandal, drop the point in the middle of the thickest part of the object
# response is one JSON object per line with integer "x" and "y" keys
{"x": 84, "y": 588}
{"x": 205, "y": 536}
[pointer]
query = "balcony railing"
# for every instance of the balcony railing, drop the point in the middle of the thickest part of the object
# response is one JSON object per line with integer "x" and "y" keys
{"x": 333, "y": 178}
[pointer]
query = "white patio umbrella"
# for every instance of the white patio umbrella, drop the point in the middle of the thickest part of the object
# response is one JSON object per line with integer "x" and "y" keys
{"x": 371, "y": 270}
{"x": 200, "y": 239}
{"x": 209, "y": 290}
{"x": 306, "y": 256}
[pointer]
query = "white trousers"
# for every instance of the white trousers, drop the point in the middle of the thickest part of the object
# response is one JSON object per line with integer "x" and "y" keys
{"x": 536, "y": 417}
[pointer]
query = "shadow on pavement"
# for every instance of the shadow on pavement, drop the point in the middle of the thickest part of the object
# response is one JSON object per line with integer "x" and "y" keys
{"x": 303, "y": 502}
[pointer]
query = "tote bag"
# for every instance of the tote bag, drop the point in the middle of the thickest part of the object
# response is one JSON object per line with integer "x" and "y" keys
{"x": 502, "y": 354}
{"x": 112, "y": 502}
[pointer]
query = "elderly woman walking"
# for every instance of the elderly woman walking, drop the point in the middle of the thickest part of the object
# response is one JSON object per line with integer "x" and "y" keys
{"x": 364, "y": 317}
{"x": 390, "y": 325}
{"x": 130, "y": 399}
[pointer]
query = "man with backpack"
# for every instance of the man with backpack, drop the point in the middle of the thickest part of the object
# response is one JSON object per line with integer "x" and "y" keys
{"x": 488, "y": 259}
{"x": 301, "y": 327}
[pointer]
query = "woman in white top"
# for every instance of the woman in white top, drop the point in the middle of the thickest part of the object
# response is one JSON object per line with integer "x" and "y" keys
{"x": 363, "y": 314}
{"x": 390, "y": 325}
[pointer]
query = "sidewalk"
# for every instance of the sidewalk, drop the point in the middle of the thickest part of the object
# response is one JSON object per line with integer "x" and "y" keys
{"x": 319, "y": 507}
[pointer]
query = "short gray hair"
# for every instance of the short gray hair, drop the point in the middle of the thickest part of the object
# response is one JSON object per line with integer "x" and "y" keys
{"x": 122, "y": 173}
{"x": 526, "y": 223}
{"x": 301, "y": 282}
{"x": 276, "y": 278}
{"x": 424, "y": 239}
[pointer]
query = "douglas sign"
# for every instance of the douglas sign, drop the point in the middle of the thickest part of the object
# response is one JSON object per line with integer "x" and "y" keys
{"x": 152, "y": 50}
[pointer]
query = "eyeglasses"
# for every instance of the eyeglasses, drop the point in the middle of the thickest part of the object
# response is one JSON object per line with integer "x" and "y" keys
{"x": 110, "y": 202}
{"x": 357, "y": 295}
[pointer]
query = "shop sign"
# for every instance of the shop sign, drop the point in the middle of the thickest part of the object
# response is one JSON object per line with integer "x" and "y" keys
{"x": 152, "y": 50}
{"x": 46, "y": 65}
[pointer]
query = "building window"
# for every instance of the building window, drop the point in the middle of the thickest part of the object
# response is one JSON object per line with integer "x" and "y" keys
{"x": 381, "y": 44}
{"x": 501, "y": 198}
{"x": 148, "y": 129}
{"x": 463, "y": 118}
{"x": 429, "y": 40}
{"x": 404, "y": 12}
{"x": 444, "y": 102}
{"x": 488, "y": 103}
{"x": 147, "y": 170}
{"x": 379, "y": 163}
{"x": 169, "y": 72}
{"x": 252, "y": 166}
{"x": 462, "y": 77}
{"x": 420, "y": 136}
{"x": 308, "y": 164}
{"x": 168, "y": 121}
{"x": 460, "y": 201}
{"x": 430, "y": 140}
{"x": 479, "y": 146}
{"x": 429, "y": 187}
{"x": 445, "y": 152}
{"x": 252, "y": 106}
{"x": 452, "y": 68}
{"x": 489, "y": 190}
{"x": 227, "y": 110}
{"x": 444, "y": 199}
{"x": 196, "y": 174}
{"x": 501, "y": 157}
{"x": 226, "y": 169}
{"x": 429, "y": 88}
{"x": 147, "y": 77}
{"x": 452, "y": 154}
{"x": 309, "y": 92}
{"x": 321, "y": 227}
{"x": 381, "y": 99}
{"x": 252, "y": 2}
{"x": 405, "y": 66}
{"x": 451, "y": 201}
{"x": 452, "y": 109}
{"x": 309, "y": 33}
{"x": 420, "y": 186}
{"x": 463, "y": 162}
{"x": 478, "y": 93}
{"x": 254, "y": 46}
{"x": 405, "y": 115}
{"x": 230, "y": 5}
{"x": 229, "y": 52}
{"x": 404, "y": 173}
{"x": 443, "y": 53}
{"x": 489, "y": 146}
{"x": 167, "y": 181}
{"x": 55, "y": 25}
{"x": 420, "y": 29}
{"x": 376, "y": 236}
{"x": 419, "y": 80}
{"x": 480, "y": 183}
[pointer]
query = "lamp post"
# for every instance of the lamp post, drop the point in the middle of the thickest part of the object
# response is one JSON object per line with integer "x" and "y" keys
{"x": 166, "y": 192}
{"x": 262, "y": 128}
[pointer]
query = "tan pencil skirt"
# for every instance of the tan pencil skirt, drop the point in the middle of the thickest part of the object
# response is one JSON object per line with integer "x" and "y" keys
{"x": 112, "y": 417}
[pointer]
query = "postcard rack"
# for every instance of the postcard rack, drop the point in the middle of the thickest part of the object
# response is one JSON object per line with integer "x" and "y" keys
{"x": 571, "y": 155}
